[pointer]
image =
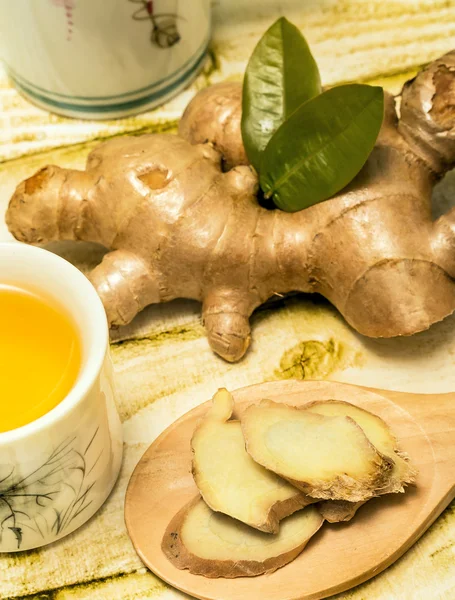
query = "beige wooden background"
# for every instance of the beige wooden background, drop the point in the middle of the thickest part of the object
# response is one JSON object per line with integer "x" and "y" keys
{"x": 163, "y": 363}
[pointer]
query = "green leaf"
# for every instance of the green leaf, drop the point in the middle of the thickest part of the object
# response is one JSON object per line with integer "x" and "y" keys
{"x": 280, "y": 76}
{"x": 322, "y": 146}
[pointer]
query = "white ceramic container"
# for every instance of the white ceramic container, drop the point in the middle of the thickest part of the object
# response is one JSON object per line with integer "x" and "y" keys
{"x": 57, "y": 471}
{"x": 98, "y": 59}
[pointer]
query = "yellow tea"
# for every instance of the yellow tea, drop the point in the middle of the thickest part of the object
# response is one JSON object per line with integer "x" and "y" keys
{"x": 40, "y": 356}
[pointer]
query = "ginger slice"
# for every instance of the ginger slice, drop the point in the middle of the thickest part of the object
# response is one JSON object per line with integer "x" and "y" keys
{"x": 228, "y": 478}
{"x": 379, "y": 434}
{"x": 215, "y": 545}
{"x": 329, "y": 458}
{"x": 337, "y": 511}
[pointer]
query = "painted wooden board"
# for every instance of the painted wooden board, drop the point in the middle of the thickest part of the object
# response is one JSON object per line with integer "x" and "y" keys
{"x": 163, "y": 364}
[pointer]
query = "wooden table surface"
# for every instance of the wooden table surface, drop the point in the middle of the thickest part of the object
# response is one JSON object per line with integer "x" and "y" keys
{"x": 162, "y": 361}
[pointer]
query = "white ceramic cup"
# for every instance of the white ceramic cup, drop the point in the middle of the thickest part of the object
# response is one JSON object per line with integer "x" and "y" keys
{"x": 97, "y": 59}
{"x": 57, "y": 471}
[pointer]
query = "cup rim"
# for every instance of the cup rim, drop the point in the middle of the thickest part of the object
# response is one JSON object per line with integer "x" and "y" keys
{"x": 96, "y": 320}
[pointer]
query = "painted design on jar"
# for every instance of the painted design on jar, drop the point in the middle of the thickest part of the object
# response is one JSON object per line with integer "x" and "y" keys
{"x": 68, "y": 5}
{"x": 165, "y": 33}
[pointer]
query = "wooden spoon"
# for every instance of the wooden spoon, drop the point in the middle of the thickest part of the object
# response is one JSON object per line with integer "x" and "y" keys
{"x": 340, "y": 556}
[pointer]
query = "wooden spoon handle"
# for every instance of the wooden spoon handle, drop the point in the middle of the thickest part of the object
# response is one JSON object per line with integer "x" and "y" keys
{"x": 435, "y": 414}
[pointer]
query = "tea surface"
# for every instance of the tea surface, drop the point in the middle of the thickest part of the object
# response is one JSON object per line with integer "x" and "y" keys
{"x": 40, "y": 356}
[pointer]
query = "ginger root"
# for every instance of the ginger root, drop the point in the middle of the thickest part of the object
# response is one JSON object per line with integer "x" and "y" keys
{"x": 321, "y": 448}
{"x": 230, "y": 481}
{"x": 215, "y": 545}
{"x": 214, "y": 114}
{"x": 327, "y": 457}
{"x": 339, "y": 511}
{"x": 379, "y": 434}
{"x": 177, "y": 226}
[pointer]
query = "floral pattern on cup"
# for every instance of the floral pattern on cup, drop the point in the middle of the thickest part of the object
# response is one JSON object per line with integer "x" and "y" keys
{"x": 49, "y": 499}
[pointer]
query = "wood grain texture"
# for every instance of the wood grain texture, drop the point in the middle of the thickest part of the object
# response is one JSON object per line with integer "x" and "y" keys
{"x": 164, "y": 366}
{"x": 339, "y": 556}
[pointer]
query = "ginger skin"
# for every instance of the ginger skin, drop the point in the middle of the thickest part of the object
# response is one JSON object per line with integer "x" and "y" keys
{"x": 214, "y": 115}
{"x": 177, "y": 226}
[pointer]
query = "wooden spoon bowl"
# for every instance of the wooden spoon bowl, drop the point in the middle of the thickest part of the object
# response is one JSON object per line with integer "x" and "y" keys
{"x": 340, "y": 556}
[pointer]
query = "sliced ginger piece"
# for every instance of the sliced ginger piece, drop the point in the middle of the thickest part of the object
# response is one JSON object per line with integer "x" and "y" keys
{"x": 228, "y": 478}
{"x": 215, "y": 545}
{"x": 326, "y": 457}
{"x": 337, "y": 511}
{"x": 379, "y": 434}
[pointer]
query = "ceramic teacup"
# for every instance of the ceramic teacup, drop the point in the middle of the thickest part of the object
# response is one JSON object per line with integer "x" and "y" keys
{"x": 57, "y": 471}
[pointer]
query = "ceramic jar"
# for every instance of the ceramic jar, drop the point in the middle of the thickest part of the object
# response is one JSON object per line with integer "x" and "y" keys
{"x": 97, "y": 59}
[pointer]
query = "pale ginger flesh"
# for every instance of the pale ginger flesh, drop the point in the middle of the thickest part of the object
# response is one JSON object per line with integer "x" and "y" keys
{"x": 215, "y": 545}
{"x": 379, "y": 434}
{"x": 230, "y": 481}
{"x": 178, "y": 227}
{"x": 326, "y": 457}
